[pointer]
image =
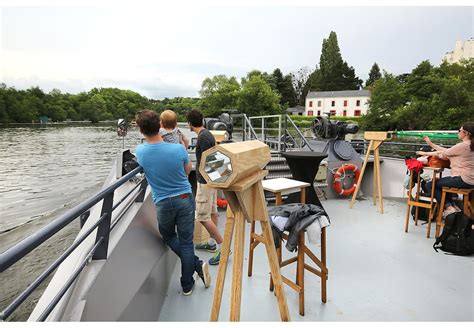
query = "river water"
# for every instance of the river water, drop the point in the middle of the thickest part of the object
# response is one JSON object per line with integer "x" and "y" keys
{"x": 46, "y": 170}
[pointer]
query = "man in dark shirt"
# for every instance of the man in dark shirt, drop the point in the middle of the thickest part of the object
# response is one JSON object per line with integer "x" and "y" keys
{"x": 206, "y": 197}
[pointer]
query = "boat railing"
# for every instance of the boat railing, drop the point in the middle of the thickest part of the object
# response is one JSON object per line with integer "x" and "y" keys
{"x": 98, "y": 251}
{"x": 279, "y": 132}
{"x": 394, "y": 149}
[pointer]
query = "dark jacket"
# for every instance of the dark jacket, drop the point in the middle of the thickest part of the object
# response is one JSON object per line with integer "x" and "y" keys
{"x": 299, "y": 217}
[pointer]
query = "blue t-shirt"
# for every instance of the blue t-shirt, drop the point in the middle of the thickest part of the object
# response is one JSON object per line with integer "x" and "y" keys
{"x": 163, "y": 164}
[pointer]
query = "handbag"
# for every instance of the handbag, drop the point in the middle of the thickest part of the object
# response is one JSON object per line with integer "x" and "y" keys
{"x": 434, "y": 161}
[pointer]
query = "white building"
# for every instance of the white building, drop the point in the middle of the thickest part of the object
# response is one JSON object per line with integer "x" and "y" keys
{"x": 338, "y": 103}
{"x": 462, "y": 50}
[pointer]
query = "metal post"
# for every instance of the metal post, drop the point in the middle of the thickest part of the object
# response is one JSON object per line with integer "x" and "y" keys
{"x": 141, "y": 195}
{"x": 279, "y": 133}
{"x": 263, "y": 129}
{"x": 103, "y": 231}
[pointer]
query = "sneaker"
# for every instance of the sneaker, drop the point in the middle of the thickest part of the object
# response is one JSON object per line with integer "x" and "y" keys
{"x": 205, "y": 275}
{"x": 216, "y": 258}
{"x": 187, "y": 292}
{"x": 205, "y": 247}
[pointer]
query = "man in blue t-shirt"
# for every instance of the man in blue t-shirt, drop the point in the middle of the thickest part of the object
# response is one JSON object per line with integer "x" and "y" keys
{"x": 166, "y": 168}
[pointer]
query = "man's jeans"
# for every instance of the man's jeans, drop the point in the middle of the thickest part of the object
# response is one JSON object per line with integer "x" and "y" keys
{"x": 176, "y": 224}
{"x": 453, "y": 182}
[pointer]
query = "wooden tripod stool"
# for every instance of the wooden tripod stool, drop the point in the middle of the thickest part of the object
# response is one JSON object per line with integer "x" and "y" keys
{"x": 246, "y": 200}
{"x": 376, "y": 140}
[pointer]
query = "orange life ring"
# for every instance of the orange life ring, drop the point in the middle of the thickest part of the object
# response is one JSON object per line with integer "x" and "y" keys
{"x": 337, "y": 182}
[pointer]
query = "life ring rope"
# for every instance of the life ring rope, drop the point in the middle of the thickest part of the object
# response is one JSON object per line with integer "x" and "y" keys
{"x": 340, "y": 175}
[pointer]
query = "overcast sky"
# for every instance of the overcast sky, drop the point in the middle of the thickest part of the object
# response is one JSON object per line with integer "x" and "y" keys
{"x": 166, "y": 51}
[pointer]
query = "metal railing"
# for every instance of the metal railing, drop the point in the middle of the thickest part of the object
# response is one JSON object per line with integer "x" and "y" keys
{"x": 97, "y": 251}
{"x": 279, "y": 132}
{"x": 394, "y": 149}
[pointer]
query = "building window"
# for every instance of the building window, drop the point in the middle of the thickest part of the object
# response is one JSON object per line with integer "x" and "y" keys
{"x": 332, "y": 112}
{"x": 344, "y": 112}
{"x": 358, "y": 103}
{"x": 310, "y": 113}
{"x": 333, "y": 103}
{"x": 310, "y": 104}
{"x": 357, "y": 112}
{"x": 319, "y": 113}
{"x": 319, "y": 103}
{"x": 345, "y": 104}
{"x": 300, "y": 114}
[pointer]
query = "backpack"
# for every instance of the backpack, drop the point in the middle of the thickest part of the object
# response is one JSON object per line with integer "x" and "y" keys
{"x": 423, "y": 213}
{"x": 457, "y": 236}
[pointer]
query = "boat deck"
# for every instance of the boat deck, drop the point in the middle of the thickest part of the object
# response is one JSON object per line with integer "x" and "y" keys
{"x": 377, "y": 272}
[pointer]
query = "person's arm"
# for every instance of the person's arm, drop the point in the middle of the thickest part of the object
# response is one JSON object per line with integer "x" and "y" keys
{"x": 433, "y": 145}
{"x": 188, "y": 166}
{"x": 428, "y": 153}
{"x": 184, "y": 141}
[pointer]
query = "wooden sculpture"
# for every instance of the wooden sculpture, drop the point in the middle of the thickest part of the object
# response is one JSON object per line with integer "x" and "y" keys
{"x": 237, "y": 169}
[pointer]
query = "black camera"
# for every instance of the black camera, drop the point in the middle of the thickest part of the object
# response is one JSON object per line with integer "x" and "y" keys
{"x": 223, "y": 123}
{"x": 326, "y": 128}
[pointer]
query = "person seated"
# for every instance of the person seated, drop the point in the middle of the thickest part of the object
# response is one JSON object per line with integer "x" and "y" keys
{"x": 461, "y": 157}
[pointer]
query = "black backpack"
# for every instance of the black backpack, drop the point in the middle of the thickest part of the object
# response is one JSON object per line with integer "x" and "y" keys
{"x": 457, "y": 236}
{"x": 423, "y": 213}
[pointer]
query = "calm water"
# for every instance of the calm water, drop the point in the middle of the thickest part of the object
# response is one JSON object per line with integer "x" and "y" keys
{"x": 44, "y": 172}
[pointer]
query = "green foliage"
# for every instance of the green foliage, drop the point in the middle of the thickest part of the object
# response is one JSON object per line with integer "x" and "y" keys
{"x": 257, "y": 98}
{"x": 25, "y": 106}
{"x": 217, "y": 93}
{"x": 284, "y": 86}
{"x": 334, "y": 73}
{"x": 429, "y": 98}
{"x": 374, "y": 75}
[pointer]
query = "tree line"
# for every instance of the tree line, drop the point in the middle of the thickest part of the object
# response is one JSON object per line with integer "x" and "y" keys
{"x": 427, "y": 98}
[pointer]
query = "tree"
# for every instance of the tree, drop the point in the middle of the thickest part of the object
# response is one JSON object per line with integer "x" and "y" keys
{"x": 217, "y": 93}
{"x": 257, "y": 98}
{"x": 387, "y": 96}
{"x": 284, "y": 87}
{"x": 334, "y": 73}
{"x": 299, "y": 80}
{"x": 374, "y": 75}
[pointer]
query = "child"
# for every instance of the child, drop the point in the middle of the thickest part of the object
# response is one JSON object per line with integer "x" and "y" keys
{"x": 169, "y": 130}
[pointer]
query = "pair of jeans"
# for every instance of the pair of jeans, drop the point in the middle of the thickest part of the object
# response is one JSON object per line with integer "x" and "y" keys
{"x": 453, "y": 182}
{"x": 175, "y": 217}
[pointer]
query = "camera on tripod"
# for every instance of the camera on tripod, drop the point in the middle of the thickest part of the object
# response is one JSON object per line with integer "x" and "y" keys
{"x": 223, "y": 123}
{"x": 326, "y": 128}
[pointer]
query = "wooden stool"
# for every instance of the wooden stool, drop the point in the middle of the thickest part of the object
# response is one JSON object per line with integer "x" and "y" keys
{"x": 429, "y": 202}
{"x": 468, "y": 204}
{"x": 279, "y": 186}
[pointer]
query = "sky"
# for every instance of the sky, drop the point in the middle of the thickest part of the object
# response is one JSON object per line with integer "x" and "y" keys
{"x": 167, "y": 50}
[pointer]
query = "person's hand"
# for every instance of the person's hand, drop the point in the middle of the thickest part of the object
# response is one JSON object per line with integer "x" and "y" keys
{"x": 421, "y": 153}
{"x": 427, "y": 139}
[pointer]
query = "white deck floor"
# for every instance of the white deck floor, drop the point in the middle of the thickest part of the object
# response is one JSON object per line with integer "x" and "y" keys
{"x": 377, "y": 272}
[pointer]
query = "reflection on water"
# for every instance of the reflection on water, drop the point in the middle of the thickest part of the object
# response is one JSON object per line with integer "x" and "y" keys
{"x": 43, "y": 168}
